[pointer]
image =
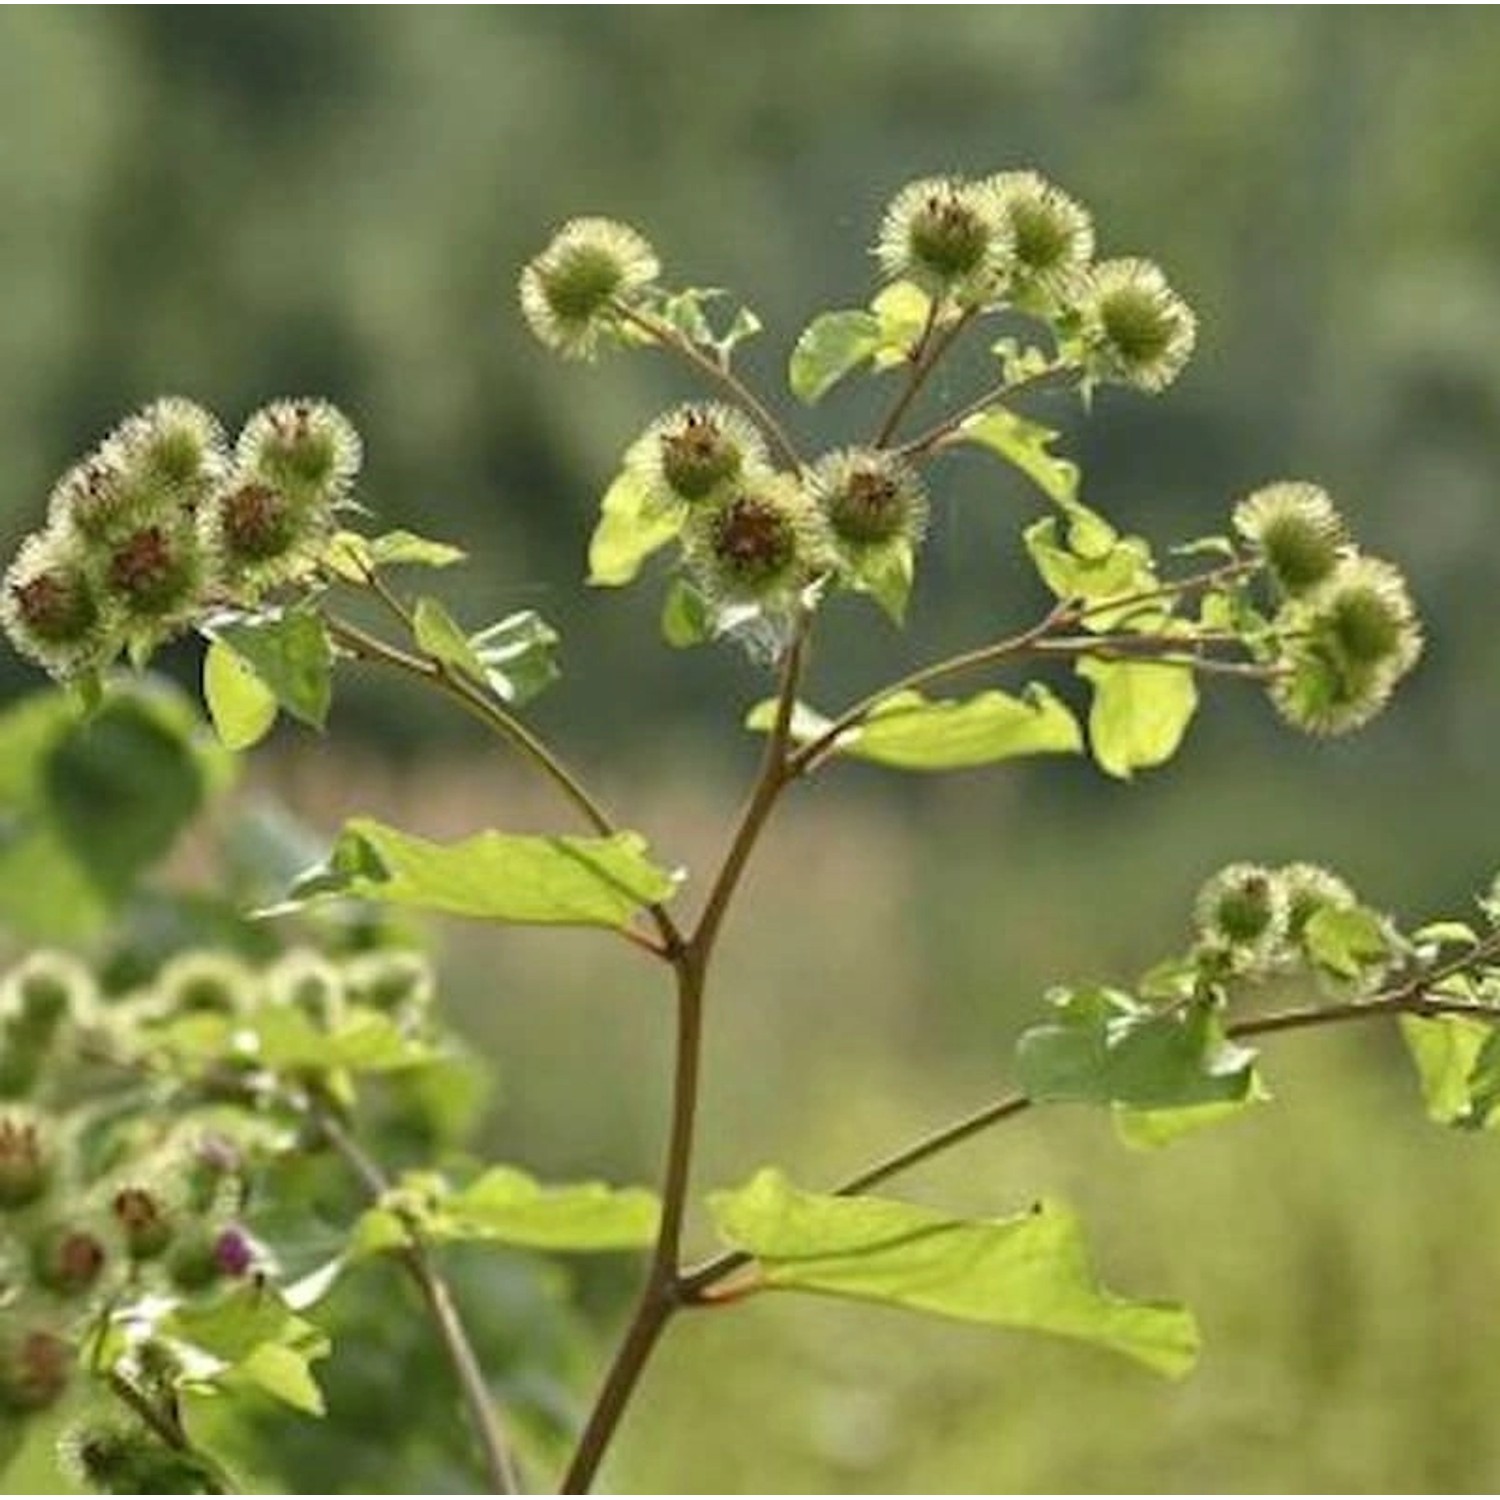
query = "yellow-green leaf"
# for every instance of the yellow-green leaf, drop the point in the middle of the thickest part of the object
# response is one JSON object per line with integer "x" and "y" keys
{"x": 242, "y": 707}
{"x": 633, "y": 523}
{"x": 1030, "y": 1271}
{"x": 1140, "y": 712}
{"x": 496, "y": 876}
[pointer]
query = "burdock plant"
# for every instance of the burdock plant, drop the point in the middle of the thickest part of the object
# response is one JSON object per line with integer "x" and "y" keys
{"x": 155, "y": 1215}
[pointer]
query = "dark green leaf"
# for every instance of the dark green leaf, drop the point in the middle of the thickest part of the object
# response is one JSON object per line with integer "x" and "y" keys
{"x": 1030, "y": 1271}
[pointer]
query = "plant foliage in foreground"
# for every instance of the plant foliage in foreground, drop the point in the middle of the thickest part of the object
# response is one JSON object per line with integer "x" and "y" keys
{"x": 162, "y": 1260}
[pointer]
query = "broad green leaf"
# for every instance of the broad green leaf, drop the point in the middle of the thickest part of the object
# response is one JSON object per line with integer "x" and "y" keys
{"x": 289, "y": 651}
{"x": 509, "y": 1207}
{"x": 686, "y": 619}
{"x": 441, "y": 636}
{"x": 1140, "y": 712}
{"x": 1120, "y": 570}
{"x": 633, "y": 524}
{"x": 519, "y": 656}
{"x": 282, "y": 1374}
{"x": 1103, "y": 1047}
{"x": 1150, "y": 1129}
{"x": 831, "y": 346}
{"x": 242, "y": 707}
{"x": 1346, "y": 940}
{"x": 914, "y": 733}
{"x": 1455, "y": 1059}
{"x": 497, "y": 876}
{"x": 237, "y": 1322}
{"x": 1030, "y": 1271}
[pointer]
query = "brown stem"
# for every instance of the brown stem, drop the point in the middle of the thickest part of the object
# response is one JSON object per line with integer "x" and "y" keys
{"x": 1413, "y": 998}
{"x": 1006, "y": 390}
{"x": 660, "y": 1297}
{"x": 929, "y": 354}
{"x": 424, "y": 668}
{"x": 501, "y": 1472}
{"x": 722, "y": 375}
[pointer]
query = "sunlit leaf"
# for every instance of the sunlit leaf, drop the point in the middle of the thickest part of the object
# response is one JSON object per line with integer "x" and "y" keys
{"x": 915, "y": 733}
{"x": 290, "y": 653}
{"x": 1456, "y": 1059}
{"x": 1030, "y": 1271}
{"x": 242, "y": 707}
{"x": 497, "y": 876}
{"x": 1346, "y": 940}
{"x": 829, "y": 348}
{"x": 509, "y": 1207}
{"x": 1140, "y": 711}
{"x": 633, "y": 523}
{"x": 519, "y": 656}
{"x": 686, "y": 619}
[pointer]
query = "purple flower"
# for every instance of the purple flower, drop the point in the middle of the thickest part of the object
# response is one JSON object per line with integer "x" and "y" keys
{"x": 233, "y": 1252}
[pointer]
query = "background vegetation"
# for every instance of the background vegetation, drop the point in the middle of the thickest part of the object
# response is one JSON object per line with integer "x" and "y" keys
{"x": 240, "y": 203}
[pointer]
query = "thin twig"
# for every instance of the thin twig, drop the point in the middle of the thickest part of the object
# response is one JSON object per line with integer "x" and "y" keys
{"x": 931, "y": 348}
{"x": 1006, "y": 390}
{"x": 660, "y": 1296}
{"x": 664, "y": 333}
{"x": 167, "y": 1426}
{"x": 501, "y": 1471}
{"x": 1413, "y": 998}
{"x": 425, "y": 668}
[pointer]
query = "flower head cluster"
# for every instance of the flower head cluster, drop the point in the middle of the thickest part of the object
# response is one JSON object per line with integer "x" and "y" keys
{"x": 160, "y": 522}
{"x": 948, "y": 235}
{"x": 872, "y": 501}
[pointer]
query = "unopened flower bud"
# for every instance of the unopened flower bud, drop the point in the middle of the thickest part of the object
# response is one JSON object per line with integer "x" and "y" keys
{"x": 144, "y": 1222}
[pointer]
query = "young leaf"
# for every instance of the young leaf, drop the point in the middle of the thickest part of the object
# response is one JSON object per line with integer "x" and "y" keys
{"x": 886, "y": 576}
{"x": 686, "y": 619}
{"x": 509, "y": 1207}
{"x": 1030, "y": 1271}
{"x": 902, "y": 309}
{"x": 406, "y": 549}
{"x": 632, "y": 525}
{"x": 1346, "y": 940}
{"x": 441, "y": 636}
{"x": 242, "y": 707}
{"x": 1140, "y": 712}
{"x": 283, "y": 1374}
{"x": 1163, "y": 1069}
{"x": 1455, "y": 1061}
{"x": 914, "y": 733}
{"x": 1120, "y": 569}
{"x": 1026, "y": 446}
{"x": 830, "y": 347}
{"x": 499, "y": 877}
{"x": 519, "y": 656}
{"x": 289, "y": 651}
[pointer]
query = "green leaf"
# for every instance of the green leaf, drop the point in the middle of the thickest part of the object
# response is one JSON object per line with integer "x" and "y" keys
{"x": 509, "y": 1207}
{"x": 353, "y": 557}
{"x": 1455, "y": 1057}
{"x": 829, "y": 348}
{"x": 289, "y": 651}
{"x": 1030, "y": 1271}
{"x": 362, "y": 1041}
{"x": 1140, "y": 712}
{"x": 633, "y": 523}
{"x": 1026, "y": 446}
{"x": 501, "y": 877}
{"x": 519, "y": 656}
{"x": 283, "y": 1374}
{"x": 914, "y": 733}
{"x": 1119, "y": 570}
{"x": 1150, "y": 1129}
{"x": 242, "y": 707}
{"x": 1346, "y": 940}
{"x": 686, "y": 619}
{"x": 886, "y": 574}
{"x": 237, "y": 1322}
{"x": 1103, "y": 1047}
{"x": 901, "y": 309}
{"x": 440, "y": 635}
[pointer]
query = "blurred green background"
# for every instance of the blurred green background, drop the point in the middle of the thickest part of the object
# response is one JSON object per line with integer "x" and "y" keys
{"x": 236, "y": 203}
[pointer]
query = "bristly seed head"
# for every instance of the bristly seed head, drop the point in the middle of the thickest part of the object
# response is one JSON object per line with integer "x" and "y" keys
{"x": 758, "y": 545}
{"x": 692, "y": 453}
{"x": 1295, "y": 527}
{"x": 1140, "y": 331}
{"x": 305, "y": 448}
{"x": 947, "y": 235}
{"x": 154, "y": 573}
{"x": 870, "y": 498}
{"x": 1243, "y": 906}
{"x": 1052, "y": 233}
{"x": 569, "y": 291}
